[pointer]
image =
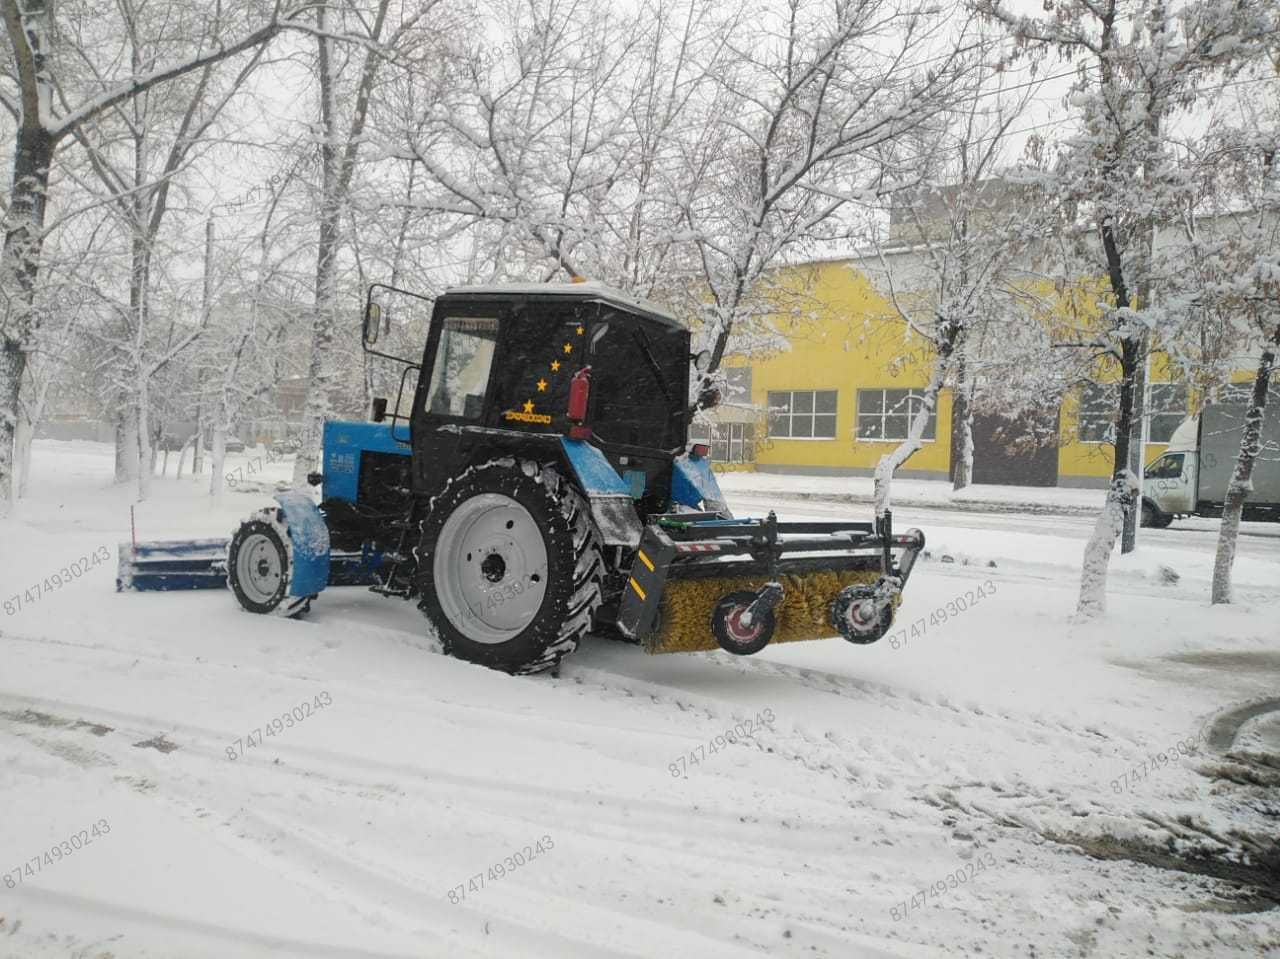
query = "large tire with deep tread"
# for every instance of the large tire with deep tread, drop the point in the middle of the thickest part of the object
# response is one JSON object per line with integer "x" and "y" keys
{"x": 574, "y": 565}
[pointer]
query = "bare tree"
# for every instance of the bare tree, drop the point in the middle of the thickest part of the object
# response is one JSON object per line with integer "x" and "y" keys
{"x": 1228, "y": 278}
{"x": 1115, "y": 186}
{"x": 956, "y": 260}
{"x": 532, "y": 151}
{"x": 803, "y": 95}
{"x": 139, "y": 176}
{"x": 58, "y": 88}
{"x": 345, "y": 74}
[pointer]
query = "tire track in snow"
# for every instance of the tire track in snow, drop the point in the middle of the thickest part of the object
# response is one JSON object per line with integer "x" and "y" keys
{"x": 426, "y": 783}
{"x": 302, "y": 857}
{"x": 1226, "y": 726}
{"x": 923, "y": 706}
{"x": 826, "y": 753}
{"x": 220, "y": 932}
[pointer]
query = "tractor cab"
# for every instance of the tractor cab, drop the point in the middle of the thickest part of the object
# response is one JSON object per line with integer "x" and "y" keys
{"x": 513, "y": 366}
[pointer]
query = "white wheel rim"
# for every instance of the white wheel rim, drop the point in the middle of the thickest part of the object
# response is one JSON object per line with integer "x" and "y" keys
{"x": 490, "y": 568}
{"x": 259, "y": 568}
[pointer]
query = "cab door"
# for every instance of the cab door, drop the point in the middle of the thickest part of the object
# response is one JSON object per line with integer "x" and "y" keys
{"x": 1170, "y": 482}
{"x": 454, "y": 388}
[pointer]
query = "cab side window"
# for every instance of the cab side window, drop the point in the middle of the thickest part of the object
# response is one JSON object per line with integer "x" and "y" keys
{"x": 463, "y": 360}
{"x": 1168, "y": 466}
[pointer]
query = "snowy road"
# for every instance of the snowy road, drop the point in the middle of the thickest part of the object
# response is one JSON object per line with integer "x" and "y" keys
{"x": 1197, "y": 535}
{"x": 922, "y": 800}
{"x": 1020, "y": 541}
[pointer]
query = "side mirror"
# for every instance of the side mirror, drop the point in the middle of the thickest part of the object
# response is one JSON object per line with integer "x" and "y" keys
{"x": 702, "y": 361}
{"x": 372, "y": 322}
{"x": 379, "y": 409}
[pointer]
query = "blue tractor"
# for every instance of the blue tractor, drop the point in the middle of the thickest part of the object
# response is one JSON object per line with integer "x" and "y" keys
{"x": 536, "y": 482}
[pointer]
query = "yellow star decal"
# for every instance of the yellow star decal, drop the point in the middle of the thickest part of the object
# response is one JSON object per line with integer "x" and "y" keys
{"x": 579, "y": 329}
{"x": 555, "y": 366}
{"x": 542, "y": 386}
{"x": 568, "y": 347}
{"x": 528, "y": 406}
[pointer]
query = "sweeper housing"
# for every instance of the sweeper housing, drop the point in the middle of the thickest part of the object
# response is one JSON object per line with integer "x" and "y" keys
{"x": 534, "y": 481}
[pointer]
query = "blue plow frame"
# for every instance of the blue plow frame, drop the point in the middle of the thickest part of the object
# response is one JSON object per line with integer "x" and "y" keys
{"x": 202, "y": 564}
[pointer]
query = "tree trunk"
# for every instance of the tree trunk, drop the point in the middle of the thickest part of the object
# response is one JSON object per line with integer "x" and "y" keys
{"x": 961, "y": 427}
{"x": 19, "y": 269}
{"x": 27, "y": 425}
{"x": 1122, "y": 496}
{"x": 321, "y": 377}
{"x": 197, "y": 450}
{"x": 948, "y": 334}
{"x": 1242, "y": 478}
{"x": 218, "y": 456}
{"x": 13, "y": 363}
{"x": 1097, "y": 552}
{"x": 127, "y": 445}
{"x": 22, "y": 448}
{"x": 1137, "y": 449}
{"x": 145, "y": 465}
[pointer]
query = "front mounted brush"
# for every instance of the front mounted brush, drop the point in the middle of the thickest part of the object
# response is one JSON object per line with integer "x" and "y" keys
{"x": 702, "y": 582}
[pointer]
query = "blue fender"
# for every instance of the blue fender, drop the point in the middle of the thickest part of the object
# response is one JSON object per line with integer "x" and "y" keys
{"x": 610, "y": 497}
{"x": 693, "y": 484}
{"x": 309, "y": 542}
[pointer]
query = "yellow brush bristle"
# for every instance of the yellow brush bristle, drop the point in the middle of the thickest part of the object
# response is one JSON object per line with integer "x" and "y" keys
{"x": 687, "y": 605}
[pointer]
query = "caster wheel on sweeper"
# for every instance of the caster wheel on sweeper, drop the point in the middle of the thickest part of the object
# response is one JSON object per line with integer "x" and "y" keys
{"x": 855, "y": 616}
{"x": 259, "y": 567}
{"x": 729, "y": 630}
{"x": 509, "y": 567}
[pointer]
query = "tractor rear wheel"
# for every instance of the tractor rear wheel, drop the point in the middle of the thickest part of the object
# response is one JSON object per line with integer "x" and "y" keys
{"x": 510, "y": 566}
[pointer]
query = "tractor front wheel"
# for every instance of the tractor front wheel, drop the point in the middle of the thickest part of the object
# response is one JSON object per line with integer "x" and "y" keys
{"x": 259, "y": 567}
{"x": 510, "y": 566}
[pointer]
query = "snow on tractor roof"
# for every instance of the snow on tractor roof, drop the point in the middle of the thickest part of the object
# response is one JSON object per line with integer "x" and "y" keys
{"x": 588, "y": 289}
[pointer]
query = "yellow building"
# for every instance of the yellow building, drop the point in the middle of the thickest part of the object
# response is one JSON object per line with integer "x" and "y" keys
{"x": 841, "y": 396}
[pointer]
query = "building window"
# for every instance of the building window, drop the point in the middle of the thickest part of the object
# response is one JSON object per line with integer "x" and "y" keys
{"x": 1241, "y": 394}
{"x": 1168, "y": 408}
{"x": 737, "y": 384}
{"x": 1097, "y": 413}
{"x": 803, "y": 414}
{"x": 729, "y": 442}
{"x": 887, "y": 414}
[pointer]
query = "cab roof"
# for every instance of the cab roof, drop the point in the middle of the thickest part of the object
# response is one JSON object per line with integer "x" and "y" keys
{"x": 588, "y": 290}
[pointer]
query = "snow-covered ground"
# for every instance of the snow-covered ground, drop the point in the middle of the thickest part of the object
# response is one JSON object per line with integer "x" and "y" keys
{"x": 931, "y": 795}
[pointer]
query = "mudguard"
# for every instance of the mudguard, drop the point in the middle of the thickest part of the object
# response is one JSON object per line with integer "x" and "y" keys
{"x": 308, "y": 543}
{"x": 693, "y": 485}
{"x": 610, "y": 497}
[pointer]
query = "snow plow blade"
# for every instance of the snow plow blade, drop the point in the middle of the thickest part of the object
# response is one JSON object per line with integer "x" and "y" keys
{"x": 178, "y": 564}
{"x": 202, "y": 564}
{"x": 700, "y": 582}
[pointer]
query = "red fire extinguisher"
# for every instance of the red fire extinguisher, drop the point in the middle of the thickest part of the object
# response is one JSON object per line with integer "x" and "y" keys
{"x": 579, "y": 395}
